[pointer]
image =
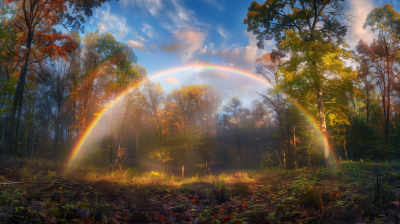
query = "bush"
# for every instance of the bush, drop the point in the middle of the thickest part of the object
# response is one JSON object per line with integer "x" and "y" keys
{"x": 242, "y": 188}
{"x": 275, "y": 184}
{"x": 131, "y": 172}
{"x": 311, "y": 197}
{"x": 219, "y": 192}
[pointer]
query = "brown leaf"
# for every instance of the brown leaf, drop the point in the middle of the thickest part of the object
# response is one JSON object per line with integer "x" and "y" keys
{"x": 53, "y": 219}
{"x": 304, "y": 213}
{"x": 113, "y": 220}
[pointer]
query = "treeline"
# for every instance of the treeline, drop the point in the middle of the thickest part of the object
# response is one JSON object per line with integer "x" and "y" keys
{"x": 54, "y": 84}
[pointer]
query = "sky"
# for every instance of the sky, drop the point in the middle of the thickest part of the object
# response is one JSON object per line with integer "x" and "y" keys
{"x": 165, "y": 34}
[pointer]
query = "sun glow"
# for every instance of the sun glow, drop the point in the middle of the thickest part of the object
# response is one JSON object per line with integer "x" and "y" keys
{"x": 85, "y": 134}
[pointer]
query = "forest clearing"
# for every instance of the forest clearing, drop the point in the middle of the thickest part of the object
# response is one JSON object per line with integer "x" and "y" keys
{"x": 41, "y": 192}
{"x": 200, "y": 111}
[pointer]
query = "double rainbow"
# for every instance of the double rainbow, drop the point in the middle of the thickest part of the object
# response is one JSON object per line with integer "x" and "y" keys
{"x": 85, "y": 135}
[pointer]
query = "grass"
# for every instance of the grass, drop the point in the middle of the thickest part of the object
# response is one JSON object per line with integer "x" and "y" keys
{"x": 363, "y": 190}
{"x": 311, "y": 197}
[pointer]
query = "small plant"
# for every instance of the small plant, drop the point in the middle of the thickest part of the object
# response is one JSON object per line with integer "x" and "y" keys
{"x": 51, "y": 174}
{"x": 131, "y": 172}
{"x": 219, "y": 191}
{"x": 275, "y": 184}
{"x": 242, "y": 188}
{"x": 222, "y": 176}
{"x": 311, "y": 197}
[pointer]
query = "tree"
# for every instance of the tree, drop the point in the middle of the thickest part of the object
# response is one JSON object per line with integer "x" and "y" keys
{"x": 234, "y": 109}
{"x": 34, "y": 22}
{"x": 155, "y": 97}
{"x": 386, "y": 21}
{"x": 311, "y": 24}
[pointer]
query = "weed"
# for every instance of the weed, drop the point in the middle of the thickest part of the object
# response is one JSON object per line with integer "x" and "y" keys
{"x": 242, "y": 188}
{"x": 275, "y": 184}
{"x": 186, "y": 189}
{"x": 51, "y": 174}
{"x": 222, "y": 176}
{"x": 131, "y": 172}
{"x": 219, "y": 192}
{"x": 311, "y": 197}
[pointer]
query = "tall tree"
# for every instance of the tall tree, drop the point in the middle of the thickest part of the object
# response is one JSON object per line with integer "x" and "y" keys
{"x": 305, "y": 22}
{"x": 34, "y": 22}
{"x": 234, "y": 109}
{"x": 386, "y": 21}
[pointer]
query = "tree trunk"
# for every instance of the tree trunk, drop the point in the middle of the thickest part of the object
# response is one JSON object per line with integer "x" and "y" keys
{"x": 19, "y": 92}
{"x": 33, "y": 142}
{"x": 388, "y": 109}
{"x": 323, "y": 125}
{"x": 238, "y": 140}
{"x": 56, "y": 133}
{"x": 289, "y": 156}
{"x": 21, "y": 100}
{"x": 4, "y": 132}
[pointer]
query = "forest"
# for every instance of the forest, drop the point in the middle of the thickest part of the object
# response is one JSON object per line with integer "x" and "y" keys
{"x": 87, "y": 135}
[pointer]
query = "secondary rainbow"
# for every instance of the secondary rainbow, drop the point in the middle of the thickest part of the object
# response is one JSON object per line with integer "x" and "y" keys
{"x": 78, "y": 146}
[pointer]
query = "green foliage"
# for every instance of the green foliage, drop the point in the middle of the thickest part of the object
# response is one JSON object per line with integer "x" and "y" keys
{"x": 311, "y": 197}
{"x": 242, "y": 188}
{"x": 131, "y": 172}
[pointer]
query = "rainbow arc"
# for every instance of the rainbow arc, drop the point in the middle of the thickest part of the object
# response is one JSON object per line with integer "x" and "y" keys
{"x": 86, "y": 134}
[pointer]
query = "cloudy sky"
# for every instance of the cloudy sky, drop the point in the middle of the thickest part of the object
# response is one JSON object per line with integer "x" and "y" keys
{"x": 172, "y": 33}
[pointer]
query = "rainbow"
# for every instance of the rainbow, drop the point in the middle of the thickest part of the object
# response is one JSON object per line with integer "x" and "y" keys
{"x": 82, "y": 139}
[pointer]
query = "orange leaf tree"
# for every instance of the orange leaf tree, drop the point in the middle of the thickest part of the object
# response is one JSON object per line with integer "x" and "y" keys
{"x": 34, "y": 22}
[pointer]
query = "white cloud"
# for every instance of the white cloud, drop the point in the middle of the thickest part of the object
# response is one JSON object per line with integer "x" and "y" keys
{"x": 153, "y": 6}
{"x": 238, "y": 56}
{"x": 172, "y": 80}
{"x": 223, "y": 32}
{"x": 102, "y": 27}
{"x": 111, "y": 22}
{"x": 137, "y": 45}
{"x": 180, "y": 18}
{"x": 140, "y": 37}
{"x": 186, "y": 44}
{"x": 122, "y": 34}
{"x": 356, "y": 31}
{"x": 148, "y": 30}
{"x": 206, "y": 49}
{"x": 154, "y": 46}
{"x": 213, "y": 3}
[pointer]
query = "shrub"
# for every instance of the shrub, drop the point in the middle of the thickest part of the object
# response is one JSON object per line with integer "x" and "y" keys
{"x": 242, "y": 188}
{"x": 311, "y": 197}
{"x": 219, "y": 192}
{"x": 131, "y": 172}
{"x": 275, "y": 184}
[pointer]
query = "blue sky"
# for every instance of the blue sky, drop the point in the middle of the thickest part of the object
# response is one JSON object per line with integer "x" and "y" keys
{"x": 171, "y": 33}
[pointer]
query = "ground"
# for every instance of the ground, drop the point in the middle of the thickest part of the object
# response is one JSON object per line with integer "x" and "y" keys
{"x": 36, "y": 191}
